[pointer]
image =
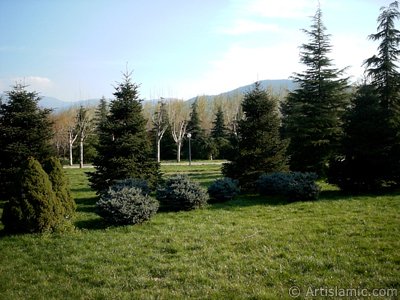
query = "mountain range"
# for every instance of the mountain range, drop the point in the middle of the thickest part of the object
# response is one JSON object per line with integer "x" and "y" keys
{"x": 277, "y": 86}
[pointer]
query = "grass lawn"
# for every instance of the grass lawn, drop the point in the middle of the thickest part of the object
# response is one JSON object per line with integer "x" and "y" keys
{"x": 251, "y": 247}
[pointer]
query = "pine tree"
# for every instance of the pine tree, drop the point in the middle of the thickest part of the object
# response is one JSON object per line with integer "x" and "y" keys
{"x": 260, "y": 147}
{"x": 313, "y": 113}
{"x": 25, "y": 130}
{"x": 124, "y": 149}
{"x": 60, "y": 185}
{"x": 34, "y": 206}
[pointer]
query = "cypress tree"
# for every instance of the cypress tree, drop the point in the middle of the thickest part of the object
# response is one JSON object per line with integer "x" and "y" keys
{"x": 313, "y": 113}
{"x": 25, "y": 130}
{"x": 34, "y": 206}
{"x": 260, "y": 147}
{"x": 60, "y": 185}
{"x": 124, "y": 149}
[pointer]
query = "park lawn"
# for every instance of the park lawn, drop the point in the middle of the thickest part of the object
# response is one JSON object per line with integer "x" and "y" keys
{"x": 251, "y": 247}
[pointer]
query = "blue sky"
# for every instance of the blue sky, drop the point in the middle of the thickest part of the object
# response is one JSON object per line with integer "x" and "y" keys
{"x": 77, "y": 49}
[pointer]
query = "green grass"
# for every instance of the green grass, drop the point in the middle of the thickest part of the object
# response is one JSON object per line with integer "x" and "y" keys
{"x": 251, "y": 247}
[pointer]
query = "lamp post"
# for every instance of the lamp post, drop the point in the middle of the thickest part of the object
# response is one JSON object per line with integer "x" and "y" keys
{"x": 189, "y": 135}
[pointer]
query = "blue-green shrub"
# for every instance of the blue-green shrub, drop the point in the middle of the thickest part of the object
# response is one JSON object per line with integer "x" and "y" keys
{"x": 126, "y": 205}
{"x": 294, "y": 185}
{"x": 180, "y": 193}
{"x": 223, "y": 189}
{"x": 132, "y": 183}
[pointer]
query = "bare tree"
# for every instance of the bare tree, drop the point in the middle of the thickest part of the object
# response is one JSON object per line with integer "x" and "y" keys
{"x": 160, "y": 122}
{"x": 83, "y": 125}
{"x": 178, "y": 119}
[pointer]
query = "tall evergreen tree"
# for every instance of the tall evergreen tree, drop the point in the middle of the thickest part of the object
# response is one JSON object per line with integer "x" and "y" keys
{"x": 313, "y": 113}
{"x": 124, "y": 149}
{"x": 364, "y": 164}
{"x": 25, "y": 131}
{"x": 383, "y": 70}
{"x": 260, "y": 147}
{"x": 199, "y": 142}
{"x": 219, "y": 135}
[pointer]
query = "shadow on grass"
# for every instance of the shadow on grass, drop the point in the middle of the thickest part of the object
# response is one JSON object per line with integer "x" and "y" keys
{"x": 248, "y": 200}
{"x": 91, "y": 224}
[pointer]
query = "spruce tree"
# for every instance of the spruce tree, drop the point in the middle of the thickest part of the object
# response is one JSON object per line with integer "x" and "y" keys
{"x": 25, "y": 130}
{"x": 260, "y": 147}
{"x": 313, "y": 112}
{"x": 124, "y": 149}
{"x": 199, "y": 143}
{"x": 34, "y": 207}
{"x": 219, "y": 135}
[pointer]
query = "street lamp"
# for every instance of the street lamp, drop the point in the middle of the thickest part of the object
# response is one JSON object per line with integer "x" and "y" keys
{"x": 189, "y": 135}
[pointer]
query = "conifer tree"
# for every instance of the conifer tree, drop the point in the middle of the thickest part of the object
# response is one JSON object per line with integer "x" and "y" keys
{"x": 199, "y": 145}
{"x": 60, "y": 185}
{"x": 313, "y": 112}
{"x": 219, "y": 135}
{"x": 25, "y": 130}
{"x": 34, "y": 207}
{"x": 124, "y": 149}
{"x": 260, "y": 147}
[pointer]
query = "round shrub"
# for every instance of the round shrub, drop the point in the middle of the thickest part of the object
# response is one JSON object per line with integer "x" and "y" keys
{"x": 223, "y": 189}
{"x": 132, "y": 183}
{"x": 125, "y": 206}
{"x": 180, "y": 193}
{"x": 294, "y": 185}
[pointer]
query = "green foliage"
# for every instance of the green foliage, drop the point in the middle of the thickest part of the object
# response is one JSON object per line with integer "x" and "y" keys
{"x": 25, "y": 131}
{"x": 219, "y": 136}
{"x": 260, "y": 148}
{"x": 313, "y": 113}
{"x": 293, "y": 186}
{"x": 124, "y": 149}
{"x": 132, "y": 183}
{"x": 35, "y": 207}
{"x": 180, "y": 193}
{"x": 60, "y": 185}
{"x": 125, "y": 205}
{"x": 223, "y": 189}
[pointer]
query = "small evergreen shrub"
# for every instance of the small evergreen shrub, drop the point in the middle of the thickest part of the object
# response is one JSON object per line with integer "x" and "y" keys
{"x": 35, "y": 207}
{"x": 60, "y": 185}
{"x": 133, "y": 183}
{"x": 180, "y": 193}
{"x": 294, "y": 185}
{"x": 125, "y": 205}
{"x": 223, "y": 189}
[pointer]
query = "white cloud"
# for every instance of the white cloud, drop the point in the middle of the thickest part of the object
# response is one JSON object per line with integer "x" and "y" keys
{"x": 34, "y": 82}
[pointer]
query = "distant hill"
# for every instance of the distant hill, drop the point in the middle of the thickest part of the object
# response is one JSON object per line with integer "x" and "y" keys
{"x": 277, "y": 85}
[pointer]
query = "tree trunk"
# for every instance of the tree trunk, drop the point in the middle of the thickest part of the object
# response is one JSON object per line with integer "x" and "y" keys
{"x": 70, "y": 154}
{"x": 158, "y": 150}
{"x": 81, "y": 154}
{"x": 178, "y": 152}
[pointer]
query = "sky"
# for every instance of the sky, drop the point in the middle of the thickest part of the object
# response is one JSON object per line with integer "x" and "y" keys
{"x": 78, "y": 49}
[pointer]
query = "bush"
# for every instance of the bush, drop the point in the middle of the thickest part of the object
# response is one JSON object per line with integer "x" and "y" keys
{"x": 141, "y": 184}
{"x": 35, "y": 207}
{"x": 124, "y": 205}
{"x": 294, "y": 186}
{"x": 180, "y": 193}
{"x": 60, "y": 185}
{"x": 223, "y": 189}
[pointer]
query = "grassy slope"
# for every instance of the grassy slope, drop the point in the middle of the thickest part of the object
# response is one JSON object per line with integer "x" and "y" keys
{"x": 249, "y": 247}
